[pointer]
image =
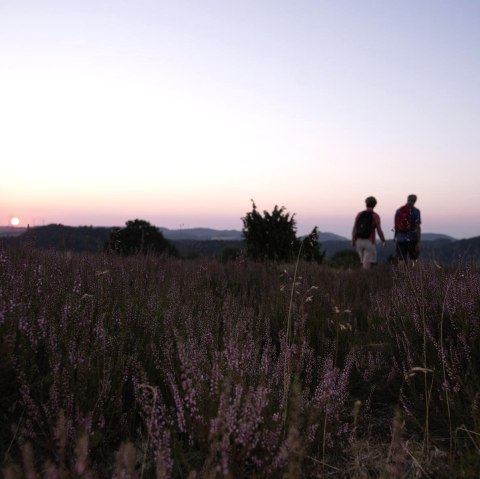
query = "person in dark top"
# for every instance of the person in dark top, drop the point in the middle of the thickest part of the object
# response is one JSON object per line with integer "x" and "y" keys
{"x": 408, "y": 230}
{"x": 366, "y": 224}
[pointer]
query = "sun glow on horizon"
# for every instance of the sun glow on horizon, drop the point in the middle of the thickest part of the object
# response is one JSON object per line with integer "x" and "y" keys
{"x": 15, "y": 221}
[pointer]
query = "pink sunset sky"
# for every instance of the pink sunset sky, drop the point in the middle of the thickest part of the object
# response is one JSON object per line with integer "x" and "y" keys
{"x": 181, "y": 112}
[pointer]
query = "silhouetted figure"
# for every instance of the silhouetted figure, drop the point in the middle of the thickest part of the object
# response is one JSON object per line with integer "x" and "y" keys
{"x": 367, "y": 224}
{"x": 408, "y": 230}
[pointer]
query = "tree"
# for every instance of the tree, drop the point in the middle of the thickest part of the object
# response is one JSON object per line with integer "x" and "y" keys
{"x": 138, "y": 236}
{"x": 311, "y": 247}
{"x": 273, "y": 237}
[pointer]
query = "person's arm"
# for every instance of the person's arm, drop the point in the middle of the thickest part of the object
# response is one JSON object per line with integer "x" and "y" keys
{"x": 418, "y": 228}
{"x": 381, "y": 235}
{"x": 379, "y": 230}
{"x": 354, "y": 232}
{"x": 419, "y": 235}
{"x": 394, "y": 229}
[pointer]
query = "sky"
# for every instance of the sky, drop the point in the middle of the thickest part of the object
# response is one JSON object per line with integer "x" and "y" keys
{"x": 181, "y": 112}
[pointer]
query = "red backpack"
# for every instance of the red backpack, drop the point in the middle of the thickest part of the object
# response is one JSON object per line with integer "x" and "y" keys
{"x": 404, "y": 219}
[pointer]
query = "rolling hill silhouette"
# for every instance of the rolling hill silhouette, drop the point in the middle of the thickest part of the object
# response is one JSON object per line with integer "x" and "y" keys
{"x": 210, "y": 242}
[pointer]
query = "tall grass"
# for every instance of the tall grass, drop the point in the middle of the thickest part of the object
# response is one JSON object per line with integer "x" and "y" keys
{"x": 156, "y": 367}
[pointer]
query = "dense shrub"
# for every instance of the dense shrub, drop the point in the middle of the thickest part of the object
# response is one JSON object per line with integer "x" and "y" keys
{"x": 138, "y": 236}
{"x": 273, "y": 236}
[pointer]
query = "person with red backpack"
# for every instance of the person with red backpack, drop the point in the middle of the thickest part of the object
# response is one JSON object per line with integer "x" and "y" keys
{"x": 363, "y": 234}
{"x": 407, "y": 230}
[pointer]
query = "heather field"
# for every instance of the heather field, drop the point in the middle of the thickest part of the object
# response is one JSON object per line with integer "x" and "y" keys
{"x": 149, "y": 367}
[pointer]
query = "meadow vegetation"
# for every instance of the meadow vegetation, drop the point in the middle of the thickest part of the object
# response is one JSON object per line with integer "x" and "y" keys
{"x": 148, "y": 366}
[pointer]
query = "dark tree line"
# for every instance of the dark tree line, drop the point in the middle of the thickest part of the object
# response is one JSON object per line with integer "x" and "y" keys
{"x": 268, "y": 236}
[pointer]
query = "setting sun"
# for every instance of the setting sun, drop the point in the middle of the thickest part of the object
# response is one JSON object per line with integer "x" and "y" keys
{"x": 15, "y": 221}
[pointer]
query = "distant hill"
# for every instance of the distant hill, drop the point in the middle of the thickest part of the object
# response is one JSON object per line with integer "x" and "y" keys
{"x": 451, "y": 252}
{"x": 436, "y": 236}
{"x": 64, "y": 238}
{"x": 323, "y": 237}
{"x": 207, "y": 234}
{"x": 210, "y": 242}
{"x": 202, "y": 234}
{"x": 11, "y": 231}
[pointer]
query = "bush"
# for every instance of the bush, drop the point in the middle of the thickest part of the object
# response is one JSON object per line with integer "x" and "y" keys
{"x": 138, "y": 236}
{"x": 273, "y": 237}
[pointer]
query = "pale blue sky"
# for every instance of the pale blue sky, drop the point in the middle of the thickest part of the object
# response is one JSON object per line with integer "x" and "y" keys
{"x": 180, "y": 112}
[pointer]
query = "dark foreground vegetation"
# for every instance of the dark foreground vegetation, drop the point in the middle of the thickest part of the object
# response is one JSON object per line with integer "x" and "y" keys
{"x": 159, "y": 367}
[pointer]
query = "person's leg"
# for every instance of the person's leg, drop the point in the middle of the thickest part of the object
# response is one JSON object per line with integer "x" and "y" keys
{"x": 370, "y": 254}
{"x": 412, "y": 250}
{"x": 367, "y": 252}
{"x": 402, "y": 250}
{"x": 361, "y": 253}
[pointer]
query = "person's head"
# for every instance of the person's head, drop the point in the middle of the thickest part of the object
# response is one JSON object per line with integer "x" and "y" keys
{"x": 412, "y": 199}
{"x": 371, "y": 202}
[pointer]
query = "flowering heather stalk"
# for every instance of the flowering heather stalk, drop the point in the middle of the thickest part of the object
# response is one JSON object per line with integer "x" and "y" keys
{"x": 183, "y": 363}
{"x": 158, "y": 428}
{"x": 107, "y": 320}
{"x": 432, "y": 318}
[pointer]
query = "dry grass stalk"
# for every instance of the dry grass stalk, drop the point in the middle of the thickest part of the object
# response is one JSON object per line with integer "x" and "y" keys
{"x": 293, "y": 442}
{"x": 28, "y": 461}
{"x": 61, "y": 436}
{"x": 124, "y": 467}
{"x": 396, "y": 463}
{"x": 11, "y": 471}
{"x": 81, "y": 453}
